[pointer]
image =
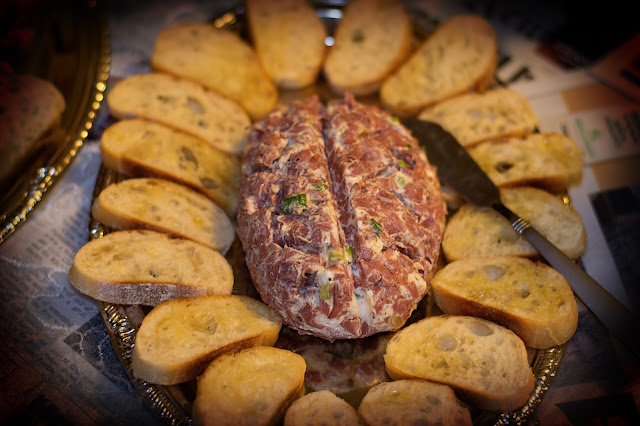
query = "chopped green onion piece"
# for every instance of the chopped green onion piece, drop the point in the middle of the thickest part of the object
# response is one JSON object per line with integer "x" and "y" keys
{"x": 401, "y": 180}
{"x": 325, "y": 294}
{"x": 402, "y": 164}
{"x": 409, "y": 146}
{"x": 377, "y": 228}
{"x": 395, "y": 119}
{"x": 336, "y": 254}
{"x": 349, "y": 251}
{"x": 320, "y": 186}
{"x": 291, "y": 202}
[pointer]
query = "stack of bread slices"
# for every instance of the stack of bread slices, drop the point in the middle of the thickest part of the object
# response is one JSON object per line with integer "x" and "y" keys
{"x": 492, "y": 286}
{"x": 492, "y": 271}
{"x": 177, "y": 145}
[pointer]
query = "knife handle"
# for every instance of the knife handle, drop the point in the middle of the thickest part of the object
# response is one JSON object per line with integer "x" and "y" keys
{"x": 620, "y": 321}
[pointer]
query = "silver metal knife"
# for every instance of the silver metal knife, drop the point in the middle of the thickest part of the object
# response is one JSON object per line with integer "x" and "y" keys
{"x": 459, "y": 171}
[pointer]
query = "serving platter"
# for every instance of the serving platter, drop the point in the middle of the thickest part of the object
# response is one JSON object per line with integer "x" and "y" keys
{"x": 71, "y": 49}
{"x": 348, "y": 367}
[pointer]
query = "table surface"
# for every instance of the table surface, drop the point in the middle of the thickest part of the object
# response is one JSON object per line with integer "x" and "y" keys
{"x": 57, "y": 364}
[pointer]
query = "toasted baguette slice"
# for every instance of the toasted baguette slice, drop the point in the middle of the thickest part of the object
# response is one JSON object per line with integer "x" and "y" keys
{"x": 289, "y": 40}
{"x": 31, "y": 108}
{"x": 160, "y": 205}
{"x": 219, "y": 60}
{"x": 252, "y": 387}
{"x": 413, "y": 402}
{"x": 321, "y": 408}
{"x": 485, "y": 363}
{"x": 477, "y": 232}
{"x": 459, "y": 56}
{"x": 548, "y": 160}
{"x": 371, "y": 40}
{"x": 139, "y": 148}
{"x": 183, "y": 105}
{"x": 179, "y": 338}
{"x": 477, "y": 117}
{"x": 146, "y": 268}
{"x": 531, "y": 299}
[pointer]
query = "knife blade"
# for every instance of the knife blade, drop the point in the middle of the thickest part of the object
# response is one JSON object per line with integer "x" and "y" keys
{"x": 459, "y": 171}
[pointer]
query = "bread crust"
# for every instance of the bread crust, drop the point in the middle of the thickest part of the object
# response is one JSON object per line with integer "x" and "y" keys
{"x": 473, "y": 118}
{"x": 218, "y": 59}
{"x": 472, "y": 231}
{"x": 550, "y": 319}
{"x": 321, "y": 408}
{"x": 179, "y": 338}
{"x": 289, "y": 39}
{"x": 354, "y": 63}
{"x": 254, "y": 386}
{"x": 139, "y": 148}
{"x": 549, "y": 214}
{"x": 550, "y": 161}
{"x": 141, "y": 267}
{"x": 185, "y": 371}
{"x": 164, "y": 206}
{"x": 427, "y": 76}
{"x": 475, "y": 232}
{"x": 413, "y": 402}
{"x": 183, "y": 105}
{"x": 492, "y": 371}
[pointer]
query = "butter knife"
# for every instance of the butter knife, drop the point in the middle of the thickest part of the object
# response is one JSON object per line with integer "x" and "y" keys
{"x": 460, "y": 171}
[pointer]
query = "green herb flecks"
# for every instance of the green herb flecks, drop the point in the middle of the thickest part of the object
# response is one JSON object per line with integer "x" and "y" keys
{"x": 291, "y": 203}
{"x": 336, "y": 254}
{"x": 375, "y": 225}
{"x": 402, "y": 164}
{"x": 320, "y": 186}
{"x": 325, "y": 294}
{"x": 393, "y": 119}
{"x": 349, "y": 250}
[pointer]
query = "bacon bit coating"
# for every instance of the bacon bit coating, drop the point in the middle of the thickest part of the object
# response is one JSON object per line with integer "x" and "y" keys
{"x": 367, "y": 193}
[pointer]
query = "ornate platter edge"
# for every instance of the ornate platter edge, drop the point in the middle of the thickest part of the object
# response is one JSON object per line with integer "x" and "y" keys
{"x": 85, "y": 102}
{"x": 122, "y": 333}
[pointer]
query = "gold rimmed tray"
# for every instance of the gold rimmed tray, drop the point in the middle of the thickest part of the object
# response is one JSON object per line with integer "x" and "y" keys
{"x": 72, "y": 51}
{"x": 348, "y": 368}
